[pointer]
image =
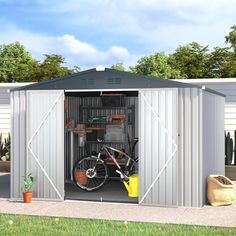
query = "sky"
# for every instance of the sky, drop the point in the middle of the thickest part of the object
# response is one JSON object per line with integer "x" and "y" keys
{"x": 103, "y": 32}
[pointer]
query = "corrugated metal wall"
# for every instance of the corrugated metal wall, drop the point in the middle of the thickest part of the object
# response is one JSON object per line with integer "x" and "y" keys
{"x": 45, "y": 142}
{"x": 157, "y": 112}
{"x": 18, "y": 142}
{"x": 190, "y": 145}
{"x": 201, "y": 143}
{"x": 212, "y": 137}
{"x": 38, "y": 142}
{"x": 227, "y": 87}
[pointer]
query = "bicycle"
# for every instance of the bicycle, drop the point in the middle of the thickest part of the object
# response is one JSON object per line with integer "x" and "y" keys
{"x": 93, "y": 171}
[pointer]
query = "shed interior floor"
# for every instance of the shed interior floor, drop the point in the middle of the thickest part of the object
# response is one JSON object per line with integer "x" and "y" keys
{"x": 112, "y": 191}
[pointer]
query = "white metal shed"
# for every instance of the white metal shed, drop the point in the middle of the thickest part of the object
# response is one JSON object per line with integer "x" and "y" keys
{"x": 174, "y": 122}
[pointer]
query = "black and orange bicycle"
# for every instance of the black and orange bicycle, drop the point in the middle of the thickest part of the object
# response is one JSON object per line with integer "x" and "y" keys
{"x": 90, "y": 173}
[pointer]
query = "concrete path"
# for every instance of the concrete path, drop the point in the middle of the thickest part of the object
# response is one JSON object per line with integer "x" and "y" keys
{"x": 212, "y": 216}
{"x": 208, "y": 215}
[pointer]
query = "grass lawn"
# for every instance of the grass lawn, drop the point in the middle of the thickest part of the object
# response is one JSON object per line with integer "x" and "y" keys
{"x": 34, "y": 225}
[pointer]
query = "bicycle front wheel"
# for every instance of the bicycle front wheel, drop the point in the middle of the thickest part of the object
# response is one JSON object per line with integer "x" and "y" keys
{"x": 90, "y": 173}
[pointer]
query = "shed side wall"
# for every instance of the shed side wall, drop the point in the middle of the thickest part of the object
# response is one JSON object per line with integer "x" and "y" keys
{"x": 189, "y": 153}
{"x": 18, "y": 142}
{"x": 227, "y": 88}
{"x": 213, "y": 137}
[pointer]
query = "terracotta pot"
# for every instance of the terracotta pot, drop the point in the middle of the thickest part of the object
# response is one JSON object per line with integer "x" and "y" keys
{"x": 81, "y": 177}
{"x": 27, "y": 196}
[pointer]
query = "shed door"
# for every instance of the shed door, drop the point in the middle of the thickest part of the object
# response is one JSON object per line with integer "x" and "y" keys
{"x": 158, "y": 146}
{"x": 45, "y": 142}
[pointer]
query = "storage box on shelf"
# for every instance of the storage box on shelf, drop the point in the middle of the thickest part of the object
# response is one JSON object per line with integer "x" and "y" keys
{"x": 95, "y": 133}
{"x": 113, "y": 100}
{"x": 115, "y": 133}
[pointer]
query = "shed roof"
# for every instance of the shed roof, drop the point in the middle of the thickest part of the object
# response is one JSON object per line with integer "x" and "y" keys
{"x": 106, "y": 79}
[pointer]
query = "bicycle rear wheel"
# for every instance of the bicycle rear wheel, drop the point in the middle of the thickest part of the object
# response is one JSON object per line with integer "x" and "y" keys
{"x": 90, "y": 173}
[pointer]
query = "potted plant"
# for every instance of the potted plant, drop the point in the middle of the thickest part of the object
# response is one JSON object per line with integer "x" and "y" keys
{"x": 27, "y": 187}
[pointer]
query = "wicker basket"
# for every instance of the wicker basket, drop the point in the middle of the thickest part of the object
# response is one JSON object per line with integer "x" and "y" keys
{"x": 220, "y": 190}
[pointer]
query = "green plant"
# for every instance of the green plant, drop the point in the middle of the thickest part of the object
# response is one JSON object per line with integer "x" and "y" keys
{"x": 7, "y": 146}
{"x": 1, "y": 146}
{"x": 28, "y": 182}
{"x": 235, "y": 147}
{"x": 228, "y": 149}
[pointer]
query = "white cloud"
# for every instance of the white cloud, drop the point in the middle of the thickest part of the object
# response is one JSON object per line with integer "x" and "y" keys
{"x": 72, "y": 49}
{"x": 89, "y": 54}
{"x": 77, "y": 47}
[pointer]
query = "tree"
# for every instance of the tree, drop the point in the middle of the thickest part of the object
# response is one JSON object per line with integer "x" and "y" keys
{"x": 16, "y": 64}
{"x": 191, "y": 60}
{"x": 156, "y": 65}
{"x": 118, "y": 66}
{"x": 51, "y": 68}
{"x": 231, "y": 38}
{"x": 221, "y": 63}
{"x": 76, "y": 69}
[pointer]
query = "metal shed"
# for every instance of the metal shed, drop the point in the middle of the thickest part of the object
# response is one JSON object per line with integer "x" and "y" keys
{"x": 174, "y": 122}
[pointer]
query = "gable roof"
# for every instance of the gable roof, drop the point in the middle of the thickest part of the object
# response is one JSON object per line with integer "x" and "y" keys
{"x": 107, "y": 79}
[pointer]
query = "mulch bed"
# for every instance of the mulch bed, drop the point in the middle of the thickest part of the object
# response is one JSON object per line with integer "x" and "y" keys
{"x": 4, "y": 166}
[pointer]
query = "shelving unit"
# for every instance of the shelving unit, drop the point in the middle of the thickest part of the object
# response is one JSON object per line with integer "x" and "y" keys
{"x": 128, "y": 124}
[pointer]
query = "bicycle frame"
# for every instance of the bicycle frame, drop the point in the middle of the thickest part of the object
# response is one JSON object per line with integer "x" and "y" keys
{"x": 106, "y": 149}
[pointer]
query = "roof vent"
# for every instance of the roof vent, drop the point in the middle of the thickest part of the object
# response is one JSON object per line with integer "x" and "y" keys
{"x": 100, "y": 68}
{"x": 114, "y": 80}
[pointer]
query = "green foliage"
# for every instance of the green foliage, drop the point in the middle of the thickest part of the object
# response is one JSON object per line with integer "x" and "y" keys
{"x": 76, "y": 69}
{"x": 191, "y": 60}
{"x": 156, "y": 65}
{"x": 16, "y": 64}
{"x": 231, "y": 38}
{"x": 51, "y": 68}
{"x": 5, "y": 146}
{"x": 28, "y": 182}
{"x": 1, "y": 146}
{"x": 222, "y": 63}
{"x": 118, "y": 66}
{"x": 219, "y": 62}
